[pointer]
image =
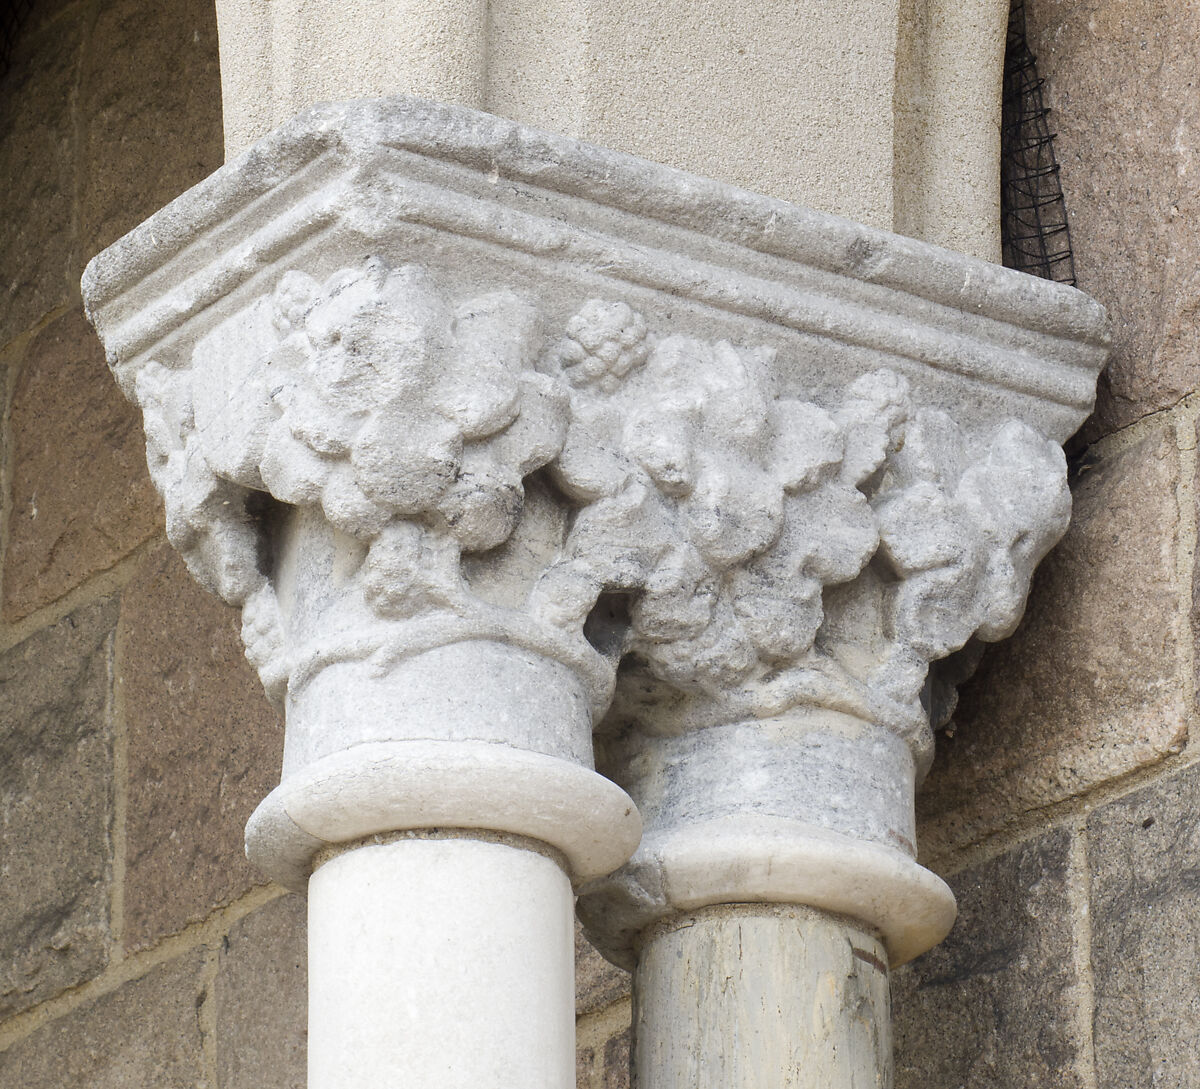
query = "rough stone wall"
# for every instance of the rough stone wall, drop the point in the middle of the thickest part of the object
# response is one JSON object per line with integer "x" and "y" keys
{"x": 1065, "y": 809}
{"x": 137, "y": 948}
{"x": 134, "y": 738}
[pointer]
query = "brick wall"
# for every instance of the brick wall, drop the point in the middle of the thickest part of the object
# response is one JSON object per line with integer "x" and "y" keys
{"x": 136, "y": 946}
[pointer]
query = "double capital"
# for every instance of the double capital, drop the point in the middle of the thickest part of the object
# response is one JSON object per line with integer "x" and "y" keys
{"x": 570, "y": 497}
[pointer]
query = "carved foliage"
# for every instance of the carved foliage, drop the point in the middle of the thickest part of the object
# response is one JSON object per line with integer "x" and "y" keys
{"x": 725, "y": 512}
{"x": 400, "y": 404}
{"x": 963, "y": 529}
{"x": 722, "y": 509}
{"x": 411, "y": 423}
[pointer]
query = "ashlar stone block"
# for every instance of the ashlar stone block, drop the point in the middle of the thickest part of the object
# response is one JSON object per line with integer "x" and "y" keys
{"x": 38, "y": 174}
{"x": 261, "y": 999}
{"x": 1144, "y": 854}
{"x": 598, "y": 982}
{"x": 134, "y": 109}
{"x": 144, "y": 1035}
{"x": 1132, "y": 190}
{"x": 605, "y": 1064}
{"x": 81, "y": 497}
{"x": 994, "y": 1005}
{"x": 204, "y": 746}
{"x": 56, "y": 796}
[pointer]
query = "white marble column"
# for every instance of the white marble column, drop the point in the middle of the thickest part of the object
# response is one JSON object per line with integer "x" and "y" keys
{"x": 441, "y": 960}
{"x": 507, "y": 446}
{"x": 749, "y": 995}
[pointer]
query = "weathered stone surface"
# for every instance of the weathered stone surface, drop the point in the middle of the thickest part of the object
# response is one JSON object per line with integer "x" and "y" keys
{"x": 993, "y": 1005}
{"x": 1132, "y": 188}
{"x": 153, "y": 119}
{"x": 605, "y": 1065}
{"x": 756, "y": 995}
{"x": 261, "y": 994}
{"x": 1144, "y": 853}
{"x": 1195, "y": 610}
{"x": 598, "y": 983}
{"x": 144, "y": 1034}
{"x": 204, "y": 748}
{"x": 1089, "y": 687}
{"x": 55, "y": 808}
{"x": 438, "y": 463}
{"x": 460, "y": 452}
{"x": 38, "y": 174}
{"x": 44, "y": 12}
{"x": 81, "y": 498}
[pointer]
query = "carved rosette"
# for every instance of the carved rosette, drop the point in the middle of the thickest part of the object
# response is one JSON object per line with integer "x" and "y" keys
{"x": 476, "y": 503}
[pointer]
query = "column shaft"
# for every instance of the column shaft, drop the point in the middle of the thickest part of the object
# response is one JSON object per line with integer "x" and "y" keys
{"x": 753, "y": 996}
{"x": 442, "y": 962}
{"x": 884, "y": 111}
{"x": 278, "y": 56}
{"x": 949, "y": 77}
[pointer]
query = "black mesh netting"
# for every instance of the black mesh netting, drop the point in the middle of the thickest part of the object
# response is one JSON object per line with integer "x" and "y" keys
{"x": 12, "y": 16}
{"x": 1033, "y": 217}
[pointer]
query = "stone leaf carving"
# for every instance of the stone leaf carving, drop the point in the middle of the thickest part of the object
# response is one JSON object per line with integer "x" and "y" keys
{"x": 774, "y": 552}
{"x": 963, "y": 527}
{"x": 722, "y": 509}
{"x": 409, "y": 422}
{"x": 770, "y": 551}
{"x": 207, "y": 519}
{"x": 394, "y": 403}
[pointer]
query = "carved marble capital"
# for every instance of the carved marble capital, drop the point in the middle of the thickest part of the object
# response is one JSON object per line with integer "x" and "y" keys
{"x": 498, "y": 439}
